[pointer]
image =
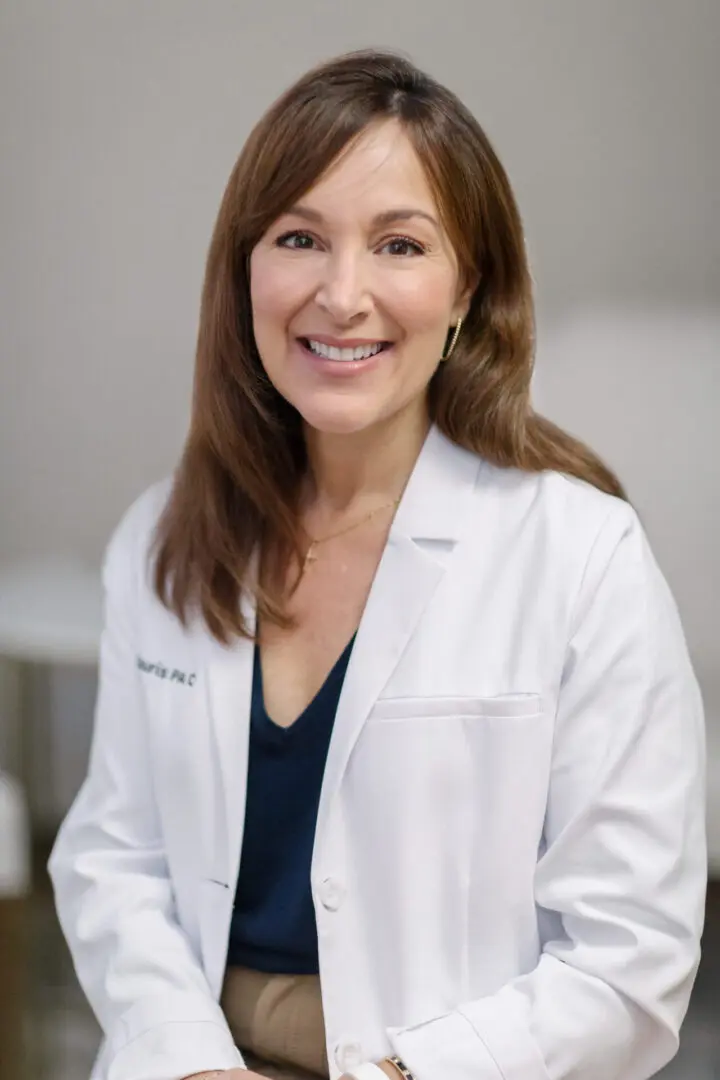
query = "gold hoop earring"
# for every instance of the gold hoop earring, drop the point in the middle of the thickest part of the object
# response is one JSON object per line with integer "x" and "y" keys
{"x": 453, "y": 343}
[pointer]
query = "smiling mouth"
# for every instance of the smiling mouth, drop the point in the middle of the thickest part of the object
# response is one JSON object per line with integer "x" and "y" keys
{"x": 347, "y": 356}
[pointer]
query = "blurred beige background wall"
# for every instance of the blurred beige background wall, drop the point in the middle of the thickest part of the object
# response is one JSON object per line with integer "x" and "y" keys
{"x": 119, "y": 123}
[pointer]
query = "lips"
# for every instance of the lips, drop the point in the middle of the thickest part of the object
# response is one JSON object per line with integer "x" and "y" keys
{"x": 338, "y": 351}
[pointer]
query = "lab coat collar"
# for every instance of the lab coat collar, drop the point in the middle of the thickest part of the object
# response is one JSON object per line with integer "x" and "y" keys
{"x": 434, "y": 504}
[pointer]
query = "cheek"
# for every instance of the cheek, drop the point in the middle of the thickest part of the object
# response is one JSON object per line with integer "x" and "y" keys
{"x": 274, "y": 292}
{"x": 422, "y": 303}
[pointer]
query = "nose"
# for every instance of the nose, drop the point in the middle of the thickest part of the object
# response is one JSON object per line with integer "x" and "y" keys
{"x": 343, "y": 291}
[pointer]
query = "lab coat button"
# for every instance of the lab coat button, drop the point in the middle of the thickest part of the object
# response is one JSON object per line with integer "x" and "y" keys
{"x": 348, "y": 1054}
{"x": 331, "y": 894}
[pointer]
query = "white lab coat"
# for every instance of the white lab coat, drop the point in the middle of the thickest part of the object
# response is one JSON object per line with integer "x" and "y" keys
{"x": 509, "y": 863}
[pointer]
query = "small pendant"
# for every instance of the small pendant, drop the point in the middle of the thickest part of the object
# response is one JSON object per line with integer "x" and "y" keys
{"x": 310, "y": 557}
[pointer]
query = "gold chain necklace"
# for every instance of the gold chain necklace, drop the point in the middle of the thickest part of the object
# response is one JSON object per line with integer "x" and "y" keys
{"x": 311, "y": 557}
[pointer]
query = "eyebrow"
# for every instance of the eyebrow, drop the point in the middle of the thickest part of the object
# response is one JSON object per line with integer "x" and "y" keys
{"x": 387, "y": 217}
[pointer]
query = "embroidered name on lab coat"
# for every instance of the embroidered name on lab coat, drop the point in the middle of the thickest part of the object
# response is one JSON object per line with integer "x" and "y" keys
{"x": 184, "y": 678}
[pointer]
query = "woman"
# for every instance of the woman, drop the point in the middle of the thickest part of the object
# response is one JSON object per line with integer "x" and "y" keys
{"x": 400, "y": 707}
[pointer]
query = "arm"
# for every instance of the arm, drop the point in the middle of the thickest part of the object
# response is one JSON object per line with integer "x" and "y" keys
{"x": 113, "y": 892}
{"x": 621, "y": 879}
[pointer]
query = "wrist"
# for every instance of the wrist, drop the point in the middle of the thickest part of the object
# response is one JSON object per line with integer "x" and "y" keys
{"x": 390, "y": 1069}
{"x": 386, "y": 1069}
{"x": 400, "y": 1069}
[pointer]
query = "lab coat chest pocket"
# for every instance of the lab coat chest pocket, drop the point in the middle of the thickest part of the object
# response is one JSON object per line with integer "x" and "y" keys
{"x": 454, "y": 775}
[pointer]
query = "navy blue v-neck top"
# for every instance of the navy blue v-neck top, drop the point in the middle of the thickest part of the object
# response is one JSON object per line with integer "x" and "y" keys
{"x": 273, "y": 924}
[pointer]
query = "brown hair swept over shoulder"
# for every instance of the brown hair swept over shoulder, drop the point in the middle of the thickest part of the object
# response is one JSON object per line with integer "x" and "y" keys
{"x": 236, "y": 486}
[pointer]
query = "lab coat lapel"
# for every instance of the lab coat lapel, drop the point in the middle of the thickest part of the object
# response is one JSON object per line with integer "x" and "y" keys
{"x": 229, "y": 687}
{"x": 428, "y": 523}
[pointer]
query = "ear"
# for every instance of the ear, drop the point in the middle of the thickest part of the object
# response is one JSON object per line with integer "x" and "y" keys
{"x": 464, "y": 299}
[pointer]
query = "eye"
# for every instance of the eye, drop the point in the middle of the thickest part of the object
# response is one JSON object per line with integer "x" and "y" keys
{"x": 403, "y": 245}
{"x": 296, "y": 240}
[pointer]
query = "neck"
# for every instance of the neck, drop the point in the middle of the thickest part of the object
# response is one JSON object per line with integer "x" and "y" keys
{"x": 372, "y": 465}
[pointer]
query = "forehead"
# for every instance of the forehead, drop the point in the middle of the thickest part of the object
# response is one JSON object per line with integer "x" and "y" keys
{"x": 378, "y": 170}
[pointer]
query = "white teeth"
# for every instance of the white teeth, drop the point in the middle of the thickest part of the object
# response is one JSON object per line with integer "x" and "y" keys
{"x": 331, "y": 352}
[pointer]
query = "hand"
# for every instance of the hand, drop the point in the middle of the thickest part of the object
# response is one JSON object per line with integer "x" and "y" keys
{"x": 241, "y": 1074}
{"x": 390, "y": 1071}
{"x": 226, "y": 1074}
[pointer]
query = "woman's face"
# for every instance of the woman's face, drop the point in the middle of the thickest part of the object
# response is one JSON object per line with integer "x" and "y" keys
{"x": 354, "y": 288}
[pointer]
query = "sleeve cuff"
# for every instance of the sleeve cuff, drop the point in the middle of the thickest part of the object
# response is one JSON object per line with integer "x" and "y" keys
{"x": 172, "y": 1039}
{"x": 447, "y": 1046}
{"x": 173, "y": 1051}
{"x": 479, "y": 1041}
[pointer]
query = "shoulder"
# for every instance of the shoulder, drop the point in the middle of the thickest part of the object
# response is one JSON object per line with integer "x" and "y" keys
{"x": 564, "y": 531}
{"x": 573, "y": 543}
{"x": 131, "y": 541}
{"x": 571, "y": 513}
{"x": 550, "y": 517}
{"x": 580, "y": 509}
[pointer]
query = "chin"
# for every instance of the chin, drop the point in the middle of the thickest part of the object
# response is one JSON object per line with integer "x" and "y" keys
{"x": 341, "y": 420}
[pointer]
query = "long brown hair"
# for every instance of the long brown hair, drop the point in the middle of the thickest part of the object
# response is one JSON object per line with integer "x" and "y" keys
{"x": 237, "y": 484}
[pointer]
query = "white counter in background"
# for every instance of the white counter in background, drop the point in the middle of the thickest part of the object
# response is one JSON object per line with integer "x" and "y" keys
{"x": 50, "y": 618}
{"x": 50, "y": 611}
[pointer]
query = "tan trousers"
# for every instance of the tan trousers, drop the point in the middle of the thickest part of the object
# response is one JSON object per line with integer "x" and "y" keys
{"x": 277, "y": 1022}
